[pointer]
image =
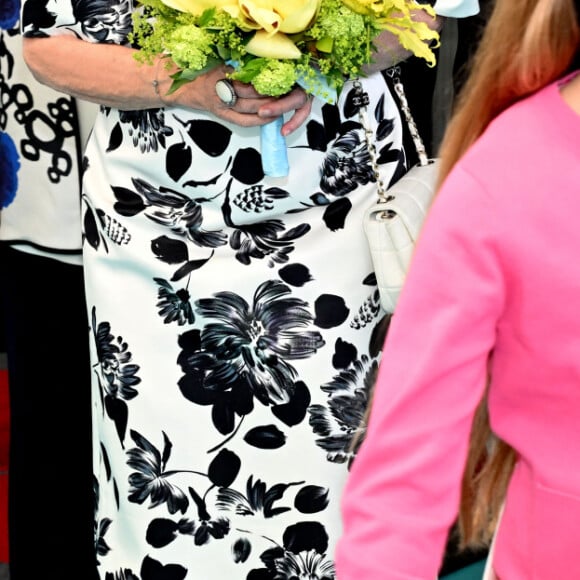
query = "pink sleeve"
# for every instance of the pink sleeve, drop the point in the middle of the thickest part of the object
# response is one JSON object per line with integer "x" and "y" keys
{"x": 403, "y": 491}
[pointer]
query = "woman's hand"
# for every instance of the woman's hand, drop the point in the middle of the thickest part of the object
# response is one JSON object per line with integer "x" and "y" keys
{"x": 250, "y": 108}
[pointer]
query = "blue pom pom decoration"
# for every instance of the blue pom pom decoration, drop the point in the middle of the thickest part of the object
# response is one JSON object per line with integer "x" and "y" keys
{"x": 9, "y": 166}
{"x": 9, "y": 13}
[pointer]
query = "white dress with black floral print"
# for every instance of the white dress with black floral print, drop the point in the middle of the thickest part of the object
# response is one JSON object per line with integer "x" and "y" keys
{"x": 235, "y": 328}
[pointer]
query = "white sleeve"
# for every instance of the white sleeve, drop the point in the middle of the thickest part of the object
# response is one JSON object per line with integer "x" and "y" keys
{"x": 457, "y": 8}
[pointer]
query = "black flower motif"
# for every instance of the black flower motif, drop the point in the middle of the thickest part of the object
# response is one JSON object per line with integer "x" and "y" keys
{"x": 337, "y": 423}
{"x": 101, "y": 546}
{"x": 256, "y": 198}
{"x": 174, "y": 306}
{"x": 100, "y": 527}
{"x": 208, "y": 529}
{"x": 369, "y": 310}
{"x": 268, "y": 238}
{"x": 149, "y": 480}
{"x": 146, "y": 128}
{"x": 303, "y": 555}
{"x": 258, "y": 498}
{"x": 161, "y": 531}
{"x": 118, "y": 374}
{"x": 250, "y": 346}
{"x": 346, "y": 165}
{"x": 207, "y": 526}
{"x": 105, "y": 21}
{"x": 178, "y": 212}
{"x": 311, "y": 565}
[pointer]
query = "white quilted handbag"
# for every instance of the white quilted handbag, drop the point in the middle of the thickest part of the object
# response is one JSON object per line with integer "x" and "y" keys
{"x": 392, "y": 227}
{"x": 392, "y": 224}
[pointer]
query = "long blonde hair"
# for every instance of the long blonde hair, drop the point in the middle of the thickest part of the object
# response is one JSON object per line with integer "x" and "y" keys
{"x": 526, "y": 45}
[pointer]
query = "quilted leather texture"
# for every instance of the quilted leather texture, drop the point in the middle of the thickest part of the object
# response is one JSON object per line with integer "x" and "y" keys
{"x": 392, "y": 229}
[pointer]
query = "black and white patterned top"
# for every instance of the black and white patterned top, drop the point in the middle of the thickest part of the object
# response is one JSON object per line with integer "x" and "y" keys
{"x": 41, "y": 154}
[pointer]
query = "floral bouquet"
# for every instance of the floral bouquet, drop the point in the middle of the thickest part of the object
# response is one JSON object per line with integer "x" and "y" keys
{"x": 276, "y": 44}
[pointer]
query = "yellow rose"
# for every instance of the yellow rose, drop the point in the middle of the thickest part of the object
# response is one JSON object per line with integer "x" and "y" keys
{"x": 273, "y": 19}
{"x": 273, "y": 16}
{"x": 268, "y": 46}
{"x": 289, "y": 16}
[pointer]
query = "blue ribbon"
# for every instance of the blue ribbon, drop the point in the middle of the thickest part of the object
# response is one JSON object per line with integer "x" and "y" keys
{"x": 273, "y": 149}
{"x": 273, "y": 144}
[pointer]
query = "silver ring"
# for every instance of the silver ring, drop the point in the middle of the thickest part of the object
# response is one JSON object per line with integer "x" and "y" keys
{"x": 226, "y": 93}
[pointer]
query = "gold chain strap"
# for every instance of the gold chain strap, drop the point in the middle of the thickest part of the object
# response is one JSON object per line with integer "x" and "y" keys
{"x": 361, "y": 101}
{"x": 395, "y": 74}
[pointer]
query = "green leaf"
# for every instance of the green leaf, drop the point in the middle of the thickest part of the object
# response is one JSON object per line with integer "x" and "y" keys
{"x": 185, "y": 76}
{"x": 249, "y": 70}
{"x": 224, "y": 53}
{"x": 325, "y": 44}
{"x": 206, "y": 17}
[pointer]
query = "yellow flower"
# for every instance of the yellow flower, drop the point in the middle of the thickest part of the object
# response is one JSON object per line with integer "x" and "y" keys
{"x": 276, "y": 46}
{"x": 363, "y": 6}
{"x": 387, "y": 8}
{"x": 273, "y": 19}
{"x": 289, "y": 16}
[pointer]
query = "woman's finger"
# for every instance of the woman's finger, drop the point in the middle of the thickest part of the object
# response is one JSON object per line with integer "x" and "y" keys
{"x": 298, "y": 118}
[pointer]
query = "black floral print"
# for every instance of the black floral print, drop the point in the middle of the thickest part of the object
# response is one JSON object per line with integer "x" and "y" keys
{"x": 235, "y": 327}
{"x": 149, "y": 481}
{"x": 174, "y": 305}
{"x": 303, "y": 555}
{"x": 145, "y": 128}
{"x": 338, "y": 424}
{"x": 258, "y": 498}
{"x": 247, "y": 350}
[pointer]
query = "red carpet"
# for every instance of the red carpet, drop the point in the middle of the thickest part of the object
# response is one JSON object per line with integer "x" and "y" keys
{"x": 4, "y": 425}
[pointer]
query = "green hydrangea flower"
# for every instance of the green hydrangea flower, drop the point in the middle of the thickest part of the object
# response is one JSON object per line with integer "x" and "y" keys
{"x": 275, "y": 79}
{"x": 190, "y": 46}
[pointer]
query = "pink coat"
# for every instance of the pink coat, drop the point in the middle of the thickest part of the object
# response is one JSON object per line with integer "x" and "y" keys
{"x": 497, "y": 269}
